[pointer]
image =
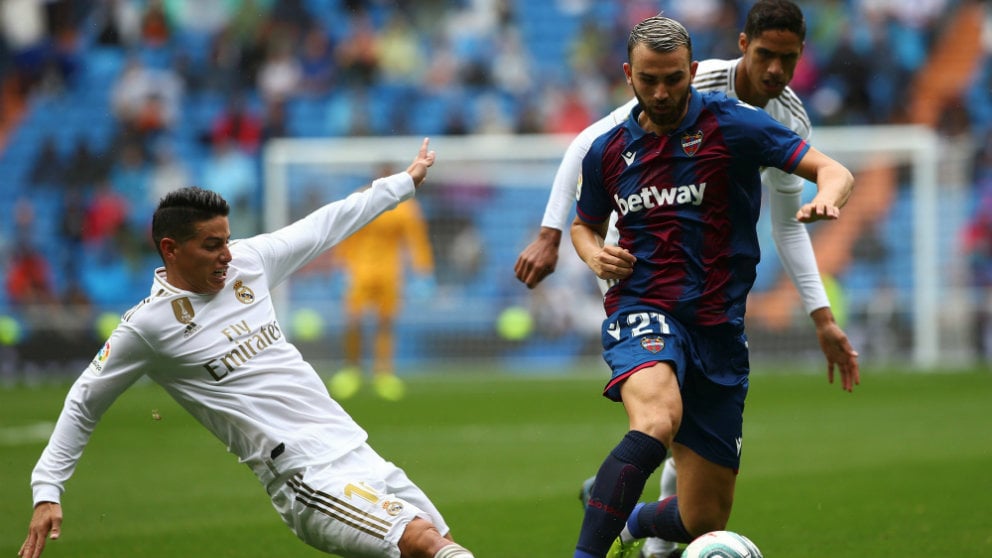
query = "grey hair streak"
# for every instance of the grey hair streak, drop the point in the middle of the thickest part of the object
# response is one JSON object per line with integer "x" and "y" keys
{"x": 660, "y": 34}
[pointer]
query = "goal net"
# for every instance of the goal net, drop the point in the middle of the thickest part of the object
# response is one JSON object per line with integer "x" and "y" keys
{"x": 483, "y": 203}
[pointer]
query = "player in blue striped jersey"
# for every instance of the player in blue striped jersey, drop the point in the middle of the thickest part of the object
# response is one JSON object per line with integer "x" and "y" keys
{"x": 771, "y": 45}
{"x": 682, "y": 173}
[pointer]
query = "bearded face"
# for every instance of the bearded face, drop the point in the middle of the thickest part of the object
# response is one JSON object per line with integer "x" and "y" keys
{"x": 660, "y": 81}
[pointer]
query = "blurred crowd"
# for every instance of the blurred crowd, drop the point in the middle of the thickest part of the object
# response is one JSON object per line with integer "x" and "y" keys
{"x": 197, "y": 87}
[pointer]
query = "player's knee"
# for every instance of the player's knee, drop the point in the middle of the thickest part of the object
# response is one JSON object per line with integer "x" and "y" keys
{"x": 659, "y": 425}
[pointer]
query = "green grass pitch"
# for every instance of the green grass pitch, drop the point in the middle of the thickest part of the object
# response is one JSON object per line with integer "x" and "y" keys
{"x": 899, "y": 468}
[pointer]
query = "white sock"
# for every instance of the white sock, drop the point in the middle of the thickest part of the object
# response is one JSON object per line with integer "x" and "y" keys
{"x": 454, "y": 551}
{"x": 667, "y": 479}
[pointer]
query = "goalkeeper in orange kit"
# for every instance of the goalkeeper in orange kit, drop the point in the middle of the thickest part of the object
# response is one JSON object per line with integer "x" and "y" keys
{"x": 375, "y": 260}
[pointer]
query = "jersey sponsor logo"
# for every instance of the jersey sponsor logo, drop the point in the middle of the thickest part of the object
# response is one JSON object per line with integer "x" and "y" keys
{"x": 182, "y": 308}
{"x": 650, "y": 197}
{"x": 246, "y": 349}
{"x": 101, "y": 358}
{"x": 692, "y": 142}
{"x": 653, "y": 344}
{"x": 628, "y": 157}
{"x": 243, "y": 293}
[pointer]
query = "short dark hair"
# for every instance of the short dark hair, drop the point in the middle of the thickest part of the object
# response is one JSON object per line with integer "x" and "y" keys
{"x": 660, "y": 34}
{"x": 775, "y": 15}
{"x": 181, "y": 210}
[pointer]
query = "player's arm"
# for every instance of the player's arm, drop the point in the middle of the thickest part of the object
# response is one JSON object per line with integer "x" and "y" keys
{"x": 540, "y": 257}
{"x": 108, "y": 376}
{"x": 834, "y": 185}
{"x": 293, "y": 246}
{"x": 796, "y": 252}
{"x": 608, "y": 262}
{"x": 592, "y": 219}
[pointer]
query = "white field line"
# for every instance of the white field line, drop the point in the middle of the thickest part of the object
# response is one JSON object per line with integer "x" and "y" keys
{"x": 25, "y": 434}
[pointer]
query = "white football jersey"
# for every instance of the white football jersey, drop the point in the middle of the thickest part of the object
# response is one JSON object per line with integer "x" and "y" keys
{"x": 225, "y": 358}
{"x": 719, "y": 75}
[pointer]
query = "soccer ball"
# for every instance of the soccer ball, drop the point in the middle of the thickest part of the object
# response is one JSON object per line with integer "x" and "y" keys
{"x": 721, "y": 544}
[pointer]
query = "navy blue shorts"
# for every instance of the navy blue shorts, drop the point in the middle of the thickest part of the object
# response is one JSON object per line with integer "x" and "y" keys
{"x": 712, "y": 368}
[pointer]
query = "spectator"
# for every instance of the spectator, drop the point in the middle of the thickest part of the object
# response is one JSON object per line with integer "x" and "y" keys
{"x": 118, "y": 23}
{"x": 106, "y": 214}
{"x": 317, "y": 67}
{"x": 22, "y": 27}
{"x": 400, "y": 55}
{"x": 84, "y": 168}
{"x": 29, "y": 278}
{"x": 280, "y": 74}
{"x": 46, "y": 170}
{"x": 569, "y": 115}
{"x": 358, "y": 53}
{"x": 146, "y": 101}
{"x": 71, "y": 231}
{"x": 239, "y": 126}
{"x": 274, "y": 123}
{"x": 226, "y": 66}
{"x": 512, "y": 70}
{"x": 156, "y": 31}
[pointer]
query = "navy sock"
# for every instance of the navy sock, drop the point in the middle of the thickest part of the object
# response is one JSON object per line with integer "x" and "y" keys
{"x": 659, "y": 519}
{"x": 619, "y": 484}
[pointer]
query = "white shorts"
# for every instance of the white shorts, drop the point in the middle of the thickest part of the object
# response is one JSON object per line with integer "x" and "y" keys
{"x": 356, "y": 506}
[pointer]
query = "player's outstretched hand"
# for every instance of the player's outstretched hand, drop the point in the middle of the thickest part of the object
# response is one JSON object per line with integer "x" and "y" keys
{"x": 539, "y": 258}
{"x": 817, "y": 211}
{"x": 418, "y": 168}
{"x": 46, "y": 522}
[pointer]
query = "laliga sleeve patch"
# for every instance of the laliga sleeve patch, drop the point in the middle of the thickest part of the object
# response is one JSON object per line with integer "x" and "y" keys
{"x": 100, "y": 359}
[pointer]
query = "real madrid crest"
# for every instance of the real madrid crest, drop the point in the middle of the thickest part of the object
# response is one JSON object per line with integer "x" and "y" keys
{"x": 392, "y": 507}
{"x": 243, "y": 293}
{"x": 692, "y": 142}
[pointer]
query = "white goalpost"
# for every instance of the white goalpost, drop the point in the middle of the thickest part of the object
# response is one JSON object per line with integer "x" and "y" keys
{"x": 494, "y": 187}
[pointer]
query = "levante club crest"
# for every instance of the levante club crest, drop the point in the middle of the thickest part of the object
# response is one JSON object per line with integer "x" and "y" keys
{"x": 653, "y": 344}
{"x": 691, "y": 142}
